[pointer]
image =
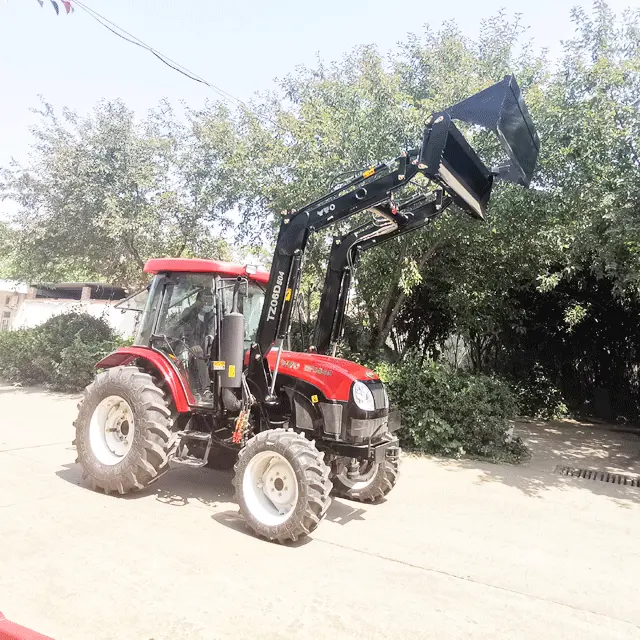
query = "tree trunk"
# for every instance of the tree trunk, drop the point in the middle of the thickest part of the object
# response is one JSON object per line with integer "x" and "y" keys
{"x": 389, "y": 316}
{"x": 391, "y": 294}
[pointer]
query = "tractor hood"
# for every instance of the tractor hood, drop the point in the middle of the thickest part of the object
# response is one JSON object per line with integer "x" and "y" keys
{"x": 332, "y": 376}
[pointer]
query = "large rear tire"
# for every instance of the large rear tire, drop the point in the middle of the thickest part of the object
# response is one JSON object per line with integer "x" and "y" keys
{"x": 123, "y": 431}
{"x": 372, "y": 484}
{"x": 282, "y": 485}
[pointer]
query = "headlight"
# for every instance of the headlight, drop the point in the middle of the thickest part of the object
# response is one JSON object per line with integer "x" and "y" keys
{"x": 363, "y": 397}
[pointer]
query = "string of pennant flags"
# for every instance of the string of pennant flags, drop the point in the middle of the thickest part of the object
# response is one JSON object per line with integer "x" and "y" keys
{"x": 68, "y": 7}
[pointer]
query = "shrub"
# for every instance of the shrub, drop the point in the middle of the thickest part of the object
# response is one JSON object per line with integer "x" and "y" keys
{"x": 538, "y": 397}
{"x": 60, "y": 354}
{"x": 447, "y": 411}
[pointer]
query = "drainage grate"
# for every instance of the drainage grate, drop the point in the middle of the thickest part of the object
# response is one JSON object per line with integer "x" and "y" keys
{"x": 599, "y": 476}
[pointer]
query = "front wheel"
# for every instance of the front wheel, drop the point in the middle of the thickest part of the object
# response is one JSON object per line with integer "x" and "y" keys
{"x": 282, "y": 485}
{"x": 123, "y": 430}
{"x": 365, "y": 481}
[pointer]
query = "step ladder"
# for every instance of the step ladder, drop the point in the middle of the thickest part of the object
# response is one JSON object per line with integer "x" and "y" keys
{"x": 183, "y": 457}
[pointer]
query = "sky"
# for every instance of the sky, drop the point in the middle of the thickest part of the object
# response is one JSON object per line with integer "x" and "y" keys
{"x": 241, "y": 46}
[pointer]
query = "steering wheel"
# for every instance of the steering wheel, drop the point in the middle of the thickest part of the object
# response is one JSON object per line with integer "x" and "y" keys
{"x": 181, "y": 340}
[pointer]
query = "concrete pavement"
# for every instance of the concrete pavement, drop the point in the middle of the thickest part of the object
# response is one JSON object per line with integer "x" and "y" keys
{"x": 460, "y": 549}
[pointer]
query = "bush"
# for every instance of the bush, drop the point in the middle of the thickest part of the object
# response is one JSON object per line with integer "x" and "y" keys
{"x": 60, "y": 354}
{"x": 447, "y": 411}
{"x": 538, "y": 397}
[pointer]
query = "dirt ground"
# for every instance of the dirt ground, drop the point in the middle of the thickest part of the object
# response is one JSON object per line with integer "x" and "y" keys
{"x": 461, "y": 549}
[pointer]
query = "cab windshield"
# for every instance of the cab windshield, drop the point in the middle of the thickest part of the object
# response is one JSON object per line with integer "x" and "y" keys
{"x": 183, "y": 306}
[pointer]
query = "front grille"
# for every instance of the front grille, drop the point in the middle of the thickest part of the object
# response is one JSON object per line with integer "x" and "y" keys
{"x": 377, "y": 389}
{"x": 364, "y": 429}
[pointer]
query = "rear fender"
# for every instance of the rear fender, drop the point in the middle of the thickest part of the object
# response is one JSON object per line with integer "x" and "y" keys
{"x": 182, "y": 396}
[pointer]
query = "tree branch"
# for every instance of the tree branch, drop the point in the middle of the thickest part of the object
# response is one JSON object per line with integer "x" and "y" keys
{"x": 400, "y": 299}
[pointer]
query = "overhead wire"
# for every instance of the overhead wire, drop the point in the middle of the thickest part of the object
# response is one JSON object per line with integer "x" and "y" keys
{"x": 165, "y": 59}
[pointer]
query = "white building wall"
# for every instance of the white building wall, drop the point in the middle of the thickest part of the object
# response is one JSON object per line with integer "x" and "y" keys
{"x": 12, "y": 294}
{"x": 33, "y": 312}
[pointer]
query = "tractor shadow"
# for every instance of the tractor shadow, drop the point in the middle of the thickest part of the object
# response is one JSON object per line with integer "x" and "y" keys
{"x": 178, "y": 487}
{"x": 339, "y": 513}
{"x": 181, "y": 487}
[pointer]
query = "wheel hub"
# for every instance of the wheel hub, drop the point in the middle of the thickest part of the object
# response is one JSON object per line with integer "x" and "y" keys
{"x": 271, "y": 487}
{"x": 112, "y": 430}
{"x": 358, "y": 474}
{"x": 278, "y": 484}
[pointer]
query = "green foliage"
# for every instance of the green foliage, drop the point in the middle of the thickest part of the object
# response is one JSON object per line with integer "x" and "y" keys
{"x": 102, "y": 193}
{"x": 538, "y": 397}
{"x": 6, "y": 249}
{"x": 447, "y": 411}
{"x": 60, "y": 354}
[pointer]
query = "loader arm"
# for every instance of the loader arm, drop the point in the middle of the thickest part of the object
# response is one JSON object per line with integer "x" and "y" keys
{"x": 345, "y": 252}
{"x": 444, "y": 157}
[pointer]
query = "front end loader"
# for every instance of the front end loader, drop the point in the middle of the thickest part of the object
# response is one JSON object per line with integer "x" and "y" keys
{"x": 208, "y": 378}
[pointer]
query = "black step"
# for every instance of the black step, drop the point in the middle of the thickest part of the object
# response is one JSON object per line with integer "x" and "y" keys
{"x": 189, "y": 461}
{"x": 204, "y": 436}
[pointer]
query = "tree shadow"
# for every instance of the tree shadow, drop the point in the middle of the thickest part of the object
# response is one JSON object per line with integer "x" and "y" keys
{"x": 554, "y": 445}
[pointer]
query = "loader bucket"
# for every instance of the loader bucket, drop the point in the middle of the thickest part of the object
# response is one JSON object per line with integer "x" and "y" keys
{"x": 501, "y": 109}
{"x": 447, "y": 157}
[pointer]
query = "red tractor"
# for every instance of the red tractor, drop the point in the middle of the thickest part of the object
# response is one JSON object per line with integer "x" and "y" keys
{"x": 208, "y": 377}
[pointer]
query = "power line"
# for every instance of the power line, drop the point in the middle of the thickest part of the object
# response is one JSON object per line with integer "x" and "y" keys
{"x": 176, "y": 66}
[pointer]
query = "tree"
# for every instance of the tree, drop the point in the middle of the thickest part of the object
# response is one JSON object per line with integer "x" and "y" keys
{"x": 102, "y": 193}
{"x": 334, "y": 119}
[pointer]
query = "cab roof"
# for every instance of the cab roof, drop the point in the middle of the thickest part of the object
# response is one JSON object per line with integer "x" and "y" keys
{"x": 197, "y": 265}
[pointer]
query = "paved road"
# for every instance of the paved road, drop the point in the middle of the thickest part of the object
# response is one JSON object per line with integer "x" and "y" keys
{"x": 460, "y": 549}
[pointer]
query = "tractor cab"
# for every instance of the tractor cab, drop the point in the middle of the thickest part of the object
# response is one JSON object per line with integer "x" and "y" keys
{"x": 186, "y": 302}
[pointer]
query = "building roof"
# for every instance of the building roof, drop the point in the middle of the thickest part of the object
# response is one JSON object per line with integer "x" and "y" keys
{"x": 73, "y": 291}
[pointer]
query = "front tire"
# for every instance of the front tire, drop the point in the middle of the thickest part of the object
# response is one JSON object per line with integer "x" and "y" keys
{"x": 123, "y": 430}
{"x": 371, "y": 485}
{"x": 282, "y": 485}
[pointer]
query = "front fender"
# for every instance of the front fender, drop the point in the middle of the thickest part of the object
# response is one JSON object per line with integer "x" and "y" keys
{"x": 182, "y": 396}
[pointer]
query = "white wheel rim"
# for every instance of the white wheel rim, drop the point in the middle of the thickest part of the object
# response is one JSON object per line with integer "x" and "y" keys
{"x": 270, "y": 488}
{"x": 362, "y": 481}
{"x": 111, "y": 430}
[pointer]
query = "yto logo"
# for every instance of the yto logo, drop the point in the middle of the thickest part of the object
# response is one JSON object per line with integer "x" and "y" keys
{"x": 327, "y": 209}
{"x": 275, "y": 296}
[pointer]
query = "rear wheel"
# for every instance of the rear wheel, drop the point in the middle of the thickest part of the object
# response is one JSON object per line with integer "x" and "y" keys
{"x": 123, "y": 430}
{"x": 370, "y": 482}
{"x": 282, "y": 485}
